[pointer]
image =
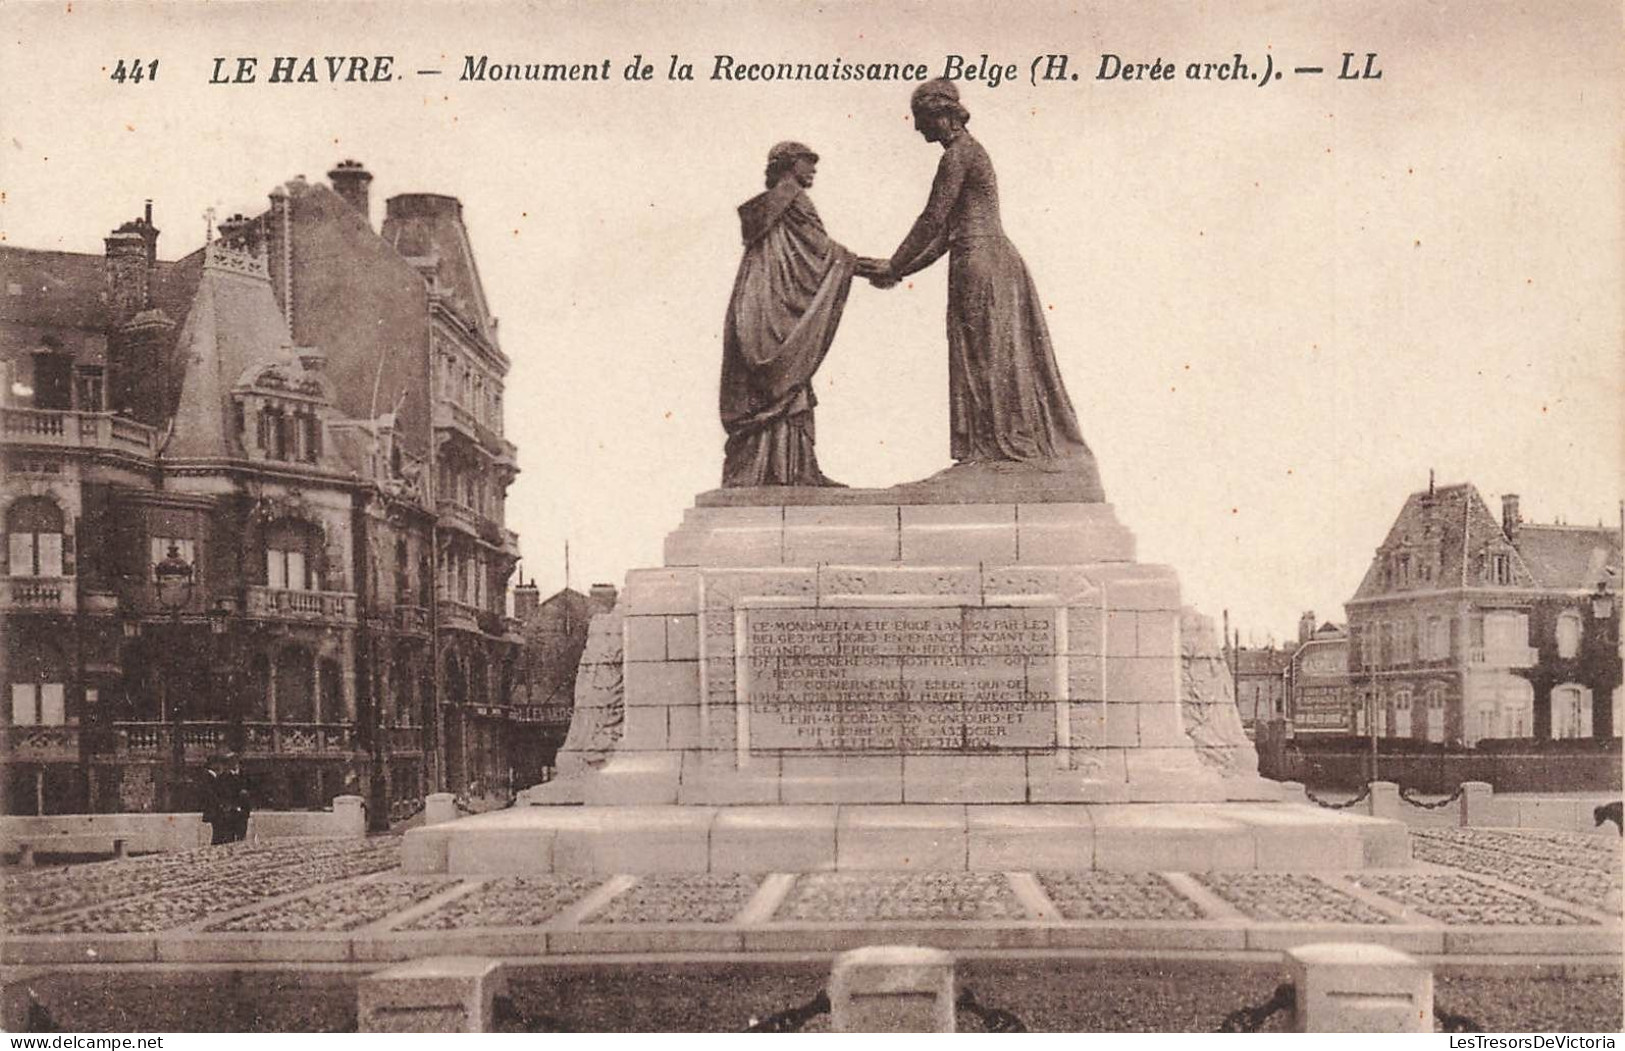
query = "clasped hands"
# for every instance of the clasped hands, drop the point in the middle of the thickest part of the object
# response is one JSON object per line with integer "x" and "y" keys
{"x": 878, "y": 271}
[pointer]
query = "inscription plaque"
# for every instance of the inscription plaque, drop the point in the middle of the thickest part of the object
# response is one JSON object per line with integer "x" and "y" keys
{"x": 887, "y": 680}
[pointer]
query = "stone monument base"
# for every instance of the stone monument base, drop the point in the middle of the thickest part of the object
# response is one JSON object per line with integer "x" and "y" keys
{"x": 1119, "y": 837}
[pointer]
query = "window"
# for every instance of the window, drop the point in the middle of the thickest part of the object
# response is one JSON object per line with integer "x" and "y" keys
{"x": 1402, "y": 713}
{"x": 285, "y": 569}
{"x": 1439, "y": 638}
{"x": 1571, "y": 712}
{"x": 1435, "y": 705}
{"x": 1380, "y": 709}
{"x": 1517, "y": 709}
{"x": 159, "y": 547}
{"x": 1568, "y": 634}
{"x": 1501, "y": 569}
{"x": 290, "y": 557}
{"x": 37, "y": 704}
{"x": 36, "y": 546}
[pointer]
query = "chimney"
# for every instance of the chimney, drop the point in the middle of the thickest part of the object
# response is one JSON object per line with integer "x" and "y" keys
{"x": 132, "y": 252}
{"x": 239, "y": 232}
{"x": 350, "y": 181}
{"x": 1306, "y": 626}
{"x": 1510, "y": 519}
{"x": 603, "y": 597}
{"x": 527, "y": 599}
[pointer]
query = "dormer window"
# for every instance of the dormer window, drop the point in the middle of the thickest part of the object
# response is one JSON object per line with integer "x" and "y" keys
{"x": 1501, "y": 568}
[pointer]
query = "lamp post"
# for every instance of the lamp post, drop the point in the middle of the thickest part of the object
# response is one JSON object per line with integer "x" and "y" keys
{"x": 174, "y": 579}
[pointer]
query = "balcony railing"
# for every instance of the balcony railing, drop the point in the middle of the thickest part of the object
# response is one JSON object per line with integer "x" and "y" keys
{"x": 199, "y": 740}
{"x": 316, "y": 607}
{"x": 452, "y": 416}
{"x": 39, "y": 594}
{"x": 462, "y": 516}
{"x": 40, "y": 743}
{"x": 76, "y": 430}
{"x": 458, "y": 615}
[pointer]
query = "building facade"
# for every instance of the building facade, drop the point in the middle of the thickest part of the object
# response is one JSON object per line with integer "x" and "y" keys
{"x": 1467, "y": 629}
{"x": 253, "y": 501}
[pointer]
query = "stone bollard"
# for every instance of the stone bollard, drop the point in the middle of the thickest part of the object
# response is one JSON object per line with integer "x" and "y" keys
{"x": 439, "y": 808}
{"x": 1385, "y": 801}
{"x": 1476, "y": 800}
{"x": 892, "y": 989}
{"x": 1353, "y": 988}
{"x": 349, "y": 817}
{"x": 437, "y": 994}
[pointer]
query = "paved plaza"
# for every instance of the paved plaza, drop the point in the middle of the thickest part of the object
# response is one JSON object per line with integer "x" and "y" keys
{"x": 1473, "y": 893}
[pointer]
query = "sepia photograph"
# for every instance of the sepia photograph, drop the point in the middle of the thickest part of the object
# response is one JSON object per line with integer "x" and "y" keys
{"x": 550, "y": 516}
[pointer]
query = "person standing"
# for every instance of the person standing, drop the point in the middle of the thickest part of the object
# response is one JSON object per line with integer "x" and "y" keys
{"x": 233, "y": 803}
{"x": 786, "y": 305}
{"x": 1006, "y": 399}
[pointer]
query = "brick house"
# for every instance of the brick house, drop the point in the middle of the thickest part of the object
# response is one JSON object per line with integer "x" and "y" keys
{"x": 1466, "y": 628}
{"x": 302, "y": 421}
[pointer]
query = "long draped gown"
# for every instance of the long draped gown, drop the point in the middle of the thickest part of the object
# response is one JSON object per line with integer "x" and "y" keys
{"x": 787, "y": 302}
{"x": 1006, "y": 400}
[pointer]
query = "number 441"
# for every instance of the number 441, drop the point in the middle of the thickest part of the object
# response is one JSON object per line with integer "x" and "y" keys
{"x": 135, "y": 71}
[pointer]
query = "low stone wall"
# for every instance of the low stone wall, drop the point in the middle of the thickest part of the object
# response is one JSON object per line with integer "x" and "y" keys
{"x": 102, "y": 833}
{"x": 346, "y": 820}
{"x": 1442, "y": 772}
{"x": 1477, "y": 805}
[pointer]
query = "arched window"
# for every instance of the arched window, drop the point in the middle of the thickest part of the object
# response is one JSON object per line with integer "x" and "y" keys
{"x": 1571, "y": 711}
{"x": 1568, "y": 634}
{"x": 34, "y": 538}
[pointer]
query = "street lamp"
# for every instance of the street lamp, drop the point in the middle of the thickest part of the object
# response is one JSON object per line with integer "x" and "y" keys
{"x": 174, "y": 579}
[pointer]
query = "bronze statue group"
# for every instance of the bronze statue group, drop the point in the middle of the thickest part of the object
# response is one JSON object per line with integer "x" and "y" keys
{"x": 1007, "y": 404}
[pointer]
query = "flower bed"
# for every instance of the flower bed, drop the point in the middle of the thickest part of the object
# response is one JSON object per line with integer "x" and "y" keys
{"x": 514, "y": 901}
{"x": 341, "y": 908}
{"x": 855, "y": 897}
{"x": 1587, "y": 887}
{"x": 214, "y": 888}
{"x": 1116, "y": 896}
{"x": 1284, "y": 897}
{"x": 679, "y": 899}
{"x": 1464, "y": 900}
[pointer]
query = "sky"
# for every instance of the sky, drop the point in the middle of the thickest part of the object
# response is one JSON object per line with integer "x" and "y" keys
{"x": 1277, "y": 305}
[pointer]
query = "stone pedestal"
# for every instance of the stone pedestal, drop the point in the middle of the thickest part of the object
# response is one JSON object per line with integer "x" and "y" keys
{"x": 903, "y": 678}
{"x": 437, "y": 994}
{"x": 897, "y": 653}
{"x": 1354, "y": 988}
{"x": 892, "y": 989}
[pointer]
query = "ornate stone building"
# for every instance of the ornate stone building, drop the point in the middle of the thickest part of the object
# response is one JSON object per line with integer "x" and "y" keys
{"x": 1466, "y": 629}
{"x": 253, "y": 500}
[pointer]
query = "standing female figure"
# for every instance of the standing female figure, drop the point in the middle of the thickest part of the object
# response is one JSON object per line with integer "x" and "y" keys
{"x": 1006, "y": 399}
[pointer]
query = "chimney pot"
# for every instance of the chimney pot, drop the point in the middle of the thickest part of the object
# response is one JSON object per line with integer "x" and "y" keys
{"x": 350, "y": 181}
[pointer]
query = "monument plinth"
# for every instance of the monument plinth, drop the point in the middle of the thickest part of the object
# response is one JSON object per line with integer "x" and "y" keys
{"x": 843, "y": 678}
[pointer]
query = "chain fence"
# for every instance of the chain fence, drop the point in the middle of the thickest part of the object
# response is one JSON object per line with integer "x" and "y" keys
{"x": 1252, "y": 1019}
{"x": 1365, "y": 793}
{"x": 1407, "y": 796}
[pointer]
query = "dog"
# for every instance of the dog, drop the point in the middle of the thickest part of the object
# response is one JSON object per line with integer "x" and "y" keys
{"x": 1610, "y": 812}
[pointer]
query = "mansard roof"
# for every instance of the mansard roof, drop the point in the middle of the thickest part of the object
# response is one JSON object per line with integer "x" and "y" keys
{"x": 1455, "y": 522}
